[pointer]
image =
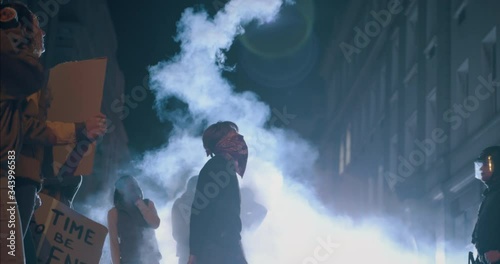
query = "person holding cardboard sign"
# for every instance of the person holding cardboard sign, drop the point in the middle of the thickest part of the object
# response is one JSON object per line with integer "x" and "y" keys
{"x": 21, "y": 44}
{"x": 131, "y": 224}
{"x": 23, "y": 132}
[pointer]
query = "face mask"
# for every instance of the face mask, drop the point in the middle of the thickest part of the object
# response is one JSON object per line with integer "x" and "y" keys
{"x": 483, "y": 167}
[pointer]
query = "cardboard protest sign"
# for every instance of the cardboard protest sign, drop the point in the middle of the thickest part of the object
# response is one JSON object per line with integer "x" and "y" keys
{"x": 76, "y": 89}
{"x": 62, "y": 235}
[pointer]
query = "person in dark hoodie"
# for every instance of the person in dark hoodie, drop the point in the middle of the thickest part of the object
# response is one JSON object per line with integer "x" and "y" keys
{"x": 486, "y": 235}
{"x": 131, "y": 224}
{"x": 215, "y": 223}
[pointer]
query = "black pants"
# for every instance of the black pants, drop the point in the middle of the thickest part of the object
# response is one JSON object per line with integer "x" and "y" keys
{"x": 25, "y": 196}
{"x": 216, "y": 253}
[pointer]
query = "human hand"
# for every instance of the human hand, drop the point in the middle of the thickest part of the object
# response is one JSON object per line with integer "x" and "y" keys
{"x": 38, "y": 201}
{"x": 95, "y": 126}
{"x": 192, "y": 259}
{"x": 492, "y": 256}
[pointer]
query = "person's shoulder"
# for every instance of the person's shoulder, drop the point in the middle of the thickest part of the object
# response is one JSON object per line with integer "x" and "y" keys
{"x": 217, "y": 161}
{"x": 148, "y": 202}
{"x": 113, "y": 212}
{"x": 214, "y": 164}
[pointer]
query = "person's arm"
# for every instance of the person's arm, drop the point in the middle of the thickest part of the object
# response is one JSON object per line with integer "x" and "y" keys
{"x": 113, "y": 236}
{"x": 61, "y": 133}
{"x": 66, "y": 133}
{"x": 149, "y": 213}
{"x": 36, "y": 132}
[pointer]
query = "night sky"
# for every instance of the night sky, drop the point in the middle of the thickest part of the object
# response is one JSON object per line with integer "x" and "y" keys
{"x": 280, "y": 61}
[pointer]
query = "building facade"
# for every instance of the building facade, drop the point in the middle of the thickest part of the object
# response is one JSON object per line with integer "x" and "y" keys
{"x": 413, "y": 99}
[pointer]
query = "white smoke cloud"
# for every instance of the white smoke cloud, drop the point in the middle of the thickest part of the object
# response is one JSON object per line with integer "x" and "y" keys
{"x": 296, "y": 229}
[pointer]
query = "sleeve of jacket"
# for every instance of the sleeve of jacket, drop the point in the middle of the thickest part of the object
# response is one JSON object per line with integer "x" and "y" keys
{"x": 201, "y": 213}
{"x": 22, "y": 73}
{"x": 51, "y": 133}
{"x": 65, "y": 132}
{"x": 38, "y": 132}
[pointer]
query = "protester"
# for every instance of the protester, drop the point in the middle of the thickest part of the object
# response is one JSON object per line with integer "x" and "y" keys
{"x": 131, "y": 224}
{"x": 215, "y": 224}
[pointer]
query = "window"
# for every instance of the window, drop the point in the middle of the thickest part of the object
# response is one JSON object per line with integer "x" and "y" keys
{"x": 458, "y": 94}
{"x": 431, "y": 63}
{"x": 348, "y": 145}
{"x": 393, "y": 154}
{"x": 383, "y": 84}
{"x": 411, "y": 38}
{"x": 430, "y": 123}
{"x": 380, "y": 187}
{"x": 490, "y": 68}
{"x": 394, "y": 60}
{"x": 430, "y": 50}
{"x": 410, "y": 133}
{"x": 373, "y": 105}
{"x": 411, "y": 87}
{"x": 394, "y": 112}
{"x": 489, "y": 52}
{"x": 463, "y": 80}
{"x": 341, "y": 158}
{"x": 461, "y": 13}
{"x": 431, "y": 17}
{"x": 371, "y": 193}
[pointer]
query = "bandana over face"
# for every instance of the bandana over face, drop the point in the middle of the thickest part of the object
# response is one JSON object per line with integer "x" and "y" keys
{"x": 233, "y": 147}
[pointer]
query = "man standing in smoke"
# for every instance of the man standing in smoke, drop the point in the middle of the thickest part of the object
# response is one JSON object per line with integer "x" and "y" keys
{"x": 486, "y": 235}
{"x": 215, "y": 224}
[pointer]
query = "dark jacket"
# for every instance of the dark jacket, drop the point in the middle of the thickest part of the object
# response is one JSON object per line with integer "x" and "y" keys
{"x": 215, "y": 213}
{"x": 486, "y": 235}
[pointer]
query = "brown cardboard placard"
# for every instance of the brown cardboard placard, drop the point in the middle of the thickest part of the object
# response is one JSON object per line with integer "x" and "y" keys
{"x": 62, "y": 235}
{"x": 77, "y": 89}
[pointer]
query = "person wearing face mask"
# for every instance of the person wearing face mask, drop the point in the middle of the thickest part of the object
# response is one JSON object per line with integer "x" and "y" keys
{"x": 215, "y": 223}
{"x": 21, "y": 74}
{"x": 131, "y": 224}
{"x": 486, "y": 235}
{"x": 24, "y": 126}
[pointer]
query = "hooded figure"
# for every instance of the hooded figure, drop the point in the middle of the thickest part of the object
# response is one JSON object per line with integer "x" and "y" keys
{"x": 486, "y": 235}
{"x": 215, "y": 223}
{"x": 131, "y": 225}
